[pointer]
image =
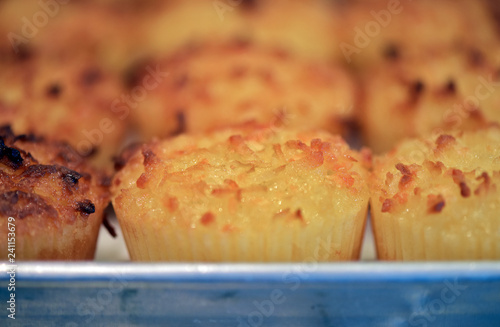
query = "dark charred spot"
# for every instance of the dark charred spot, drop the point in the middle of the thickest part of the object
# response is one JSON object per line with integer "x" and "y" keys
{"x": 450, "y": 87}
{"x": 69, "y": 177}
{"x": 391, "y": 52}
{"x": 38, "y": 171}
{"x": 459, "y": 179}
{"x": 464, "y": 190}
{"x": 416, "y": 90}
{"x": 6, "y": 132}
{"x": 24, "y": 53}
{"x": 135, "y": 72}
{"x": 418, "y": 87}
{"x": 20, "y": 204}
{"x": 91, "y": 76}
{"x": 181, "y": 123}
{"x": 86, "y": 207}
{"x": 93, "y": 151}
{"x": 435, "y": 203}
{"x": 54, "y": 90}
{"x": 438, "y": 206}
{"x": 9, "y": 156}
{"x": 30, "y": 138}
{"x": 149, "y": 157}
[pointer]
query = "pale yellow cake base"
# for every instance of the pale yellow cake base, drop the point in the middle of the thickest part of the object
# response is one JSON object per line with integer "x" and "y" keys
{"x": 70, "y": 242}
{"x": 334, "y": 239}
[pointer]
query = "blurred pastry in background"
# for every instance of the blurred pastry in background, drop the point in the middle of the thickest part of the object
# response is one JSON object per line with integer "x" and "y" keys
{"x": 310, "y": 29}
{"x": 64, "y": 100}
{"x": 213, "y": 85}
{"x": 303, "y": 28}
{"x": 174, "y": 24}
{"x": 434, "y": 92}
{"x": 375, "y": 31}
{"x": 108, "y": 33}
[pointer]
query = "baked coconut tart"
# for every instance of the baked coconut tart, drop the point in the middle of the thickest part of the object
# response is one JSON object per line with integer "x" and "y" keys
{"x": 247, "y": 194}
{"x": 438, "y": 198}
{"x": 51, "y": 200}
{"x": 73, "y": 100}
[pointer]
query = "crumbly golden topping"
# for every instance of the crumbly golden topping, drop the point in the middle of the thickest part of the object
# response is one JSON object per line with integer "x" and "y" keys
{"x": 243, "y": 178}
{"x": 47, "y": 182}
{"x": 447, "y": 173}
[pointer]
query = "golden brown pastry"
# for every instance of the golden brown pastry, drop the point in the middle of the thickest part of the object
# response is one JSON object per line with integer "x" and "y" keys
{"x": 438, "y": 198}
{"x": 69, "y": 100}
{"x": 243, "y": 194}
{"x": 51, "y": 196}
